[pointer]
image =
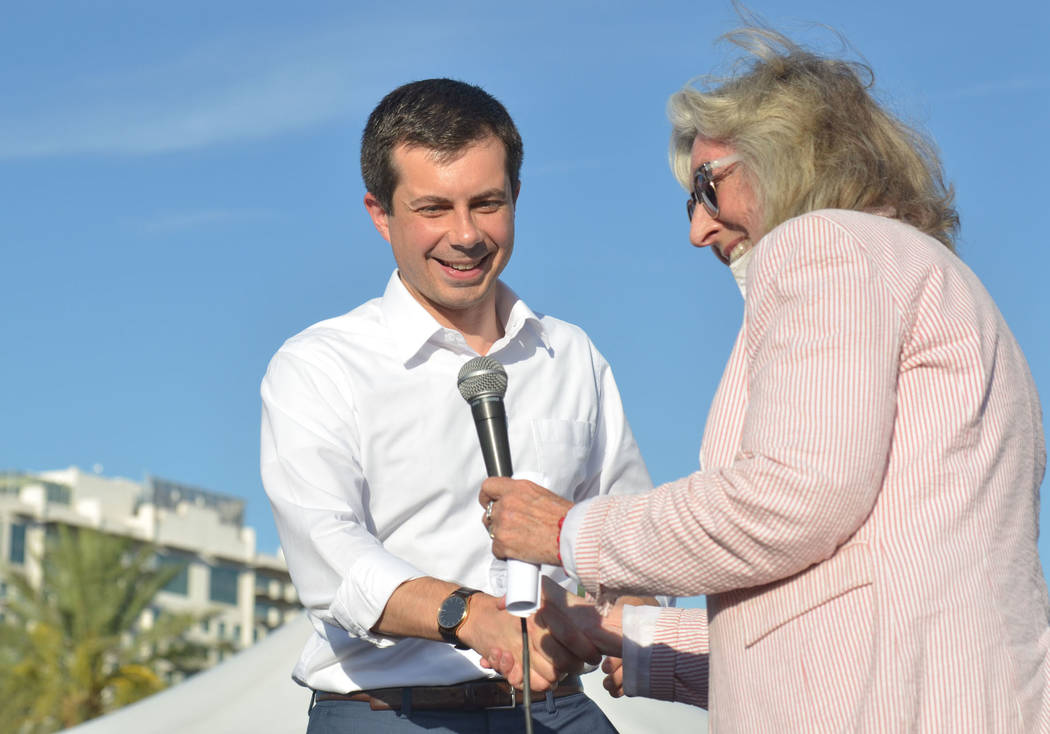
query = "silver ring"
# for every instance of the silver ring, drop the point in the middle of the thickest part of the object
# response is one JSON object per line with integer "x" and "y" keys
{"x": 488, "y": 511}
{"x": 492, "y": 535}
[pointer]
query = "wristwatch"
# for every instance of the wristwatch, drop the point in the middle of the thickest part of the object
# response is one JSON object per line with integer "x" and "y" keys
{"x": 452, "y": 614}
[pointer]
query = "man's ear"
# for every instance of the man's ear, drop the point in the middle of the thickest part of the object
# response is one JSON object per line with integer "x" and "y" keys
{"x": 378, "y": 214}
{"x": 517, "y": 190}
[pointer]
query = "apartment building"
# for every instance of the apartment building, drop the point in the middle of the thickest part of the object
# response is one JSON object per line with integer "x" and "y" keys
{"x": 199, "y": 529}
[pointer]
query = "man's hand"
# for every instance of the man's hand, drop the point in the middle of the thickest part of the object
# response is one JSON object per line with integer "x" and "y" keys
{"x": 613, "y": 683}
{"x": 489, "y": 628}
{"x": 580, "y": 617}
{"x": 573, "y": 622}
{"x": 524, "y": 522}
{"x": 492, "y": 631}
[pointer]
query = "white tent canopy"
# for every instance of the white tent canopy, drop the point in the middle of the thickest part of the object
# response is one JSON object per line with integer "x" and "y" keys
{"x": 253, "y": 692}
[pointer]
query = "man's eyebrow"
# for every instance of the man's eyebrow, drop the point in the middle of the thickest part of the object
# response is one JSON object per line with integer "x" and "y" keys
{"x": 493, "y": 193}
{"x": 431, "y": 199}
{"x": 428, "y": 199}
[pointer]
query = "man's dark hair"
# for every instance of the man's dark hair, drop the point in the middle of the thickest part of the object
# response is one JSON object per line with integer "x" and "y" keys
{"x": 442, "y": 115}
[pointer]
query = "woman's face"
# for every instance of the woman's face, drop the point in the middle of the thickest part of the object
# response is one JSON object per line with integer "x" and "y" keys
{"x": 739, "y": 222}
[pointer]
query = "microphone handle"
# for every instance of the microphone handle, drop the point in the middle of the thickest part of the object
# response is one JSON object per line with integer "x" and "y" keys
{"x": 490, "y": 418}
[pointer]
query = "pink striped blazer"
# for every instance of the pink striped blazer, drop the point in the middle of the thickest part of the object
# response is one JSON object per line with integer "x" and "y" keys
{"x": 864, "y": 523}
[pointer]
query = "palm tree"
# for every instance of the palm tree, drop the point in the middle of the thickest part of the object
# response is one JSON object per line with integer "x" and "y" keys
{"x": 74, "y": 648}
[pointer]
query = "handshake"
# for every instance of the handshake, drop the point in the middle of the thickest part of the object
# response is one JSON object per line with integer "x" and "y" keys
{"x": 567, "y": 631}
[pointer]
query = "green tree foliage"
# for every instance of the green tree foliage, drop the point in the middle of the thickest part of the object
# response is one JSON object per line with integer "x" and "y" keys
{"x": 74, "y": 649}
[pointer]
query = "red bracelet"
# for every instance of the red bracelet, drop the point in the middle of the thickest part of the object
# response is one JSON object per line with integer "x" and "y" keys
{"x": 557, "y": 541}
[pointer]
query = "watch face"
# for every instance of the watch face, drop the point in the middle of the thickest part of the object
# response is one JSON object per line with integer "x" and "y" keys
{"x": 452, "y": 611}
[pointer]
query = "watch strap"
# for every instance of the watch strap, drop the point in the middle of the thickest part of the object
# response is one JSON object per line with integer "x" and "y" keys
{"x": 449, "y": 634}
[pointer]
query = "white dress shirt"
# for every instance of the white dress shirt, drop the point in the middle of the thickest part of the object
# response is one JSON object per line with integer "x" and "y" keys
{"x": 371, "y": 462}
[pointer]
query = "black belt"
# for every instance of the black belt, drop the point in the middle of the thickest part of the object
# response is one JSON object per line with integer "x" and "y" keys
{"x": 469, "y": 696}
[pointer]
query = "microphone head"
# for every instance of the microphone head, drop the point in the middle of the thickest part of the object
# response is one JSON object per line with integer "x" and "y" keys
{"x": 482, "y": 377}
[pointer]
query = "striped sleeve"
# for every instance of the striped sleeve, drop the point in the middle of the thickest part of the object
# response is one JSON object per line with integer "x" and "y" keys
{"x": 679, "y": 657}
{"x": 823, "y": 337}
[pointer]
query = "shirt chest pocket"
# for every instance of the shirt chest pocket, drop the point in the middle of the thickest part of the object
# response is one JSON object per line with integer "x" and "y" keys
{"x": 563, "y": 449}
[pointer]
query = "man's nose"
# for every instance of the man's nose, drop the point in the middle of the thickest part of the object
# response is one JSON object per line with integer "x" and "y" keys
{"x": 464, "y": 229}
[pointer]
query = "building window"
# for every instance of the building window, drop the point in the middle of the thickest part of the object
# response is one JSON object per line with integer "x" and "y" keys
{"x": 58, "y": 493}
{"x": 180, "y": 582}
{"x": 223, "y": 586}
{"x": 18, "y": 543}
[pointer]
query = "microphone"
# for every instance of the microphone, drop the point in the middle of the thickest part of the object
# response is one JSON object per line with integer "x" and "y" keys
{"x": 483, "y": 382}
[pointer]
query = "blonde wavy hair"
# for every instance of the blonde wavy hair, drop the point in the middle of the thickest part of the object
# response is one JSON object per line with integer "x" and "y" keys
{"x": 812, "y": 137}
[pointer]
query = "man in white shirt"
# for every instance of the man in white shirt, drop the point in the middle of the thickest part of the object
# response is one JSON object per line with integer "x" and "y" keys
{"x": 370, "y": 458}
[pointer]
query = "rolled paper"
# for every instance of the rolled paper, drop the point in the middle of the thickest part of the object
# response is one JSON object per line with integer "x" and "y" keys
{"x": 523, "y": 587}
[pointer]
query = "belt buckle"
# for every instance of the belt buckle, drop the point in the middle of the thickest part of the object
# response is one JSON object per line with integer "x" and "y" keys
{"x": 513, "y": 701}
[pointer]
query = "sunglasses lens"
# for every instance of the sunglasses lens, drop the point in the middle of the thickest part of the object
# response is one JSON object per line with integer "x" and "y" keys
{"x": 690, "y": 207}
{"x": 710, "y": 199}
{"x": 704, "y": 193}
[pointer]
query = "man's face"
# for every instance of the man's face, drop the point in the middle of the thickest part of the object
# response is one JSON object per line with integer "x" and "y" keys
{"x": 451, "y": 227}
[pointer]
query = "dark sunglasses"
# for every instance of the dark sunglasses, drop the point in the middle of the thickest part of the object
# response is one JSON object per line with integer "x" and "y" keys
{"x": 704, "y": 186}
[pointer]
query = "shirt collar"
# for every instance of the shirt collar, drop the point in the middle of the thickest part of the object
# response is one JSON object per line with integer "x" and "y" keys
{"x": 413, "y": 327}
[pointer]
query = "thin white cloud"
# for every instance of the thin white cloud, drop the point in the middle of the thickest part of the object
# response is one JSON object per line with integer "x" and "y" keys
{"x": 233, "y": 92}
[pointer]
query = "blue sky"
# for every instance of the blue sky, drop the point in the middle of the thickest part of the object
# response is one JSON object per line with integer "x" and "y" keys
{"x": 181, "y": 193}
